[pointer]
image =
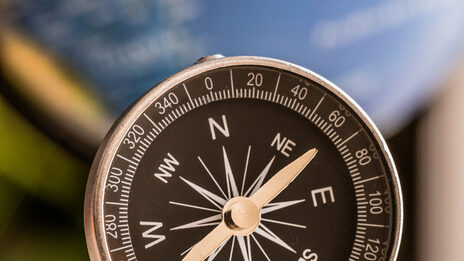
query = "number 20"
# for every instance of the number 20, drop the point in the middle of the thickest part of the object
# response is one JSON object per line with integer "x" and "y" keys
{"x": 255, "y": 79}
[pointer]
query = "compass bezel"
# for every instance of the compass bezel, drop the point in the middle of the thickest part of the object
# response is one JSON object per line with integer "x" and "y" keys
{"x": 93, "y": 206}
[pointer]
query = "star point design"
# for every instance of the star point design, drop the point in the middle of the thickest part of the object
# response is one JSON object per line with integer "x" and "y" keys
{"x": 244, "y": 243}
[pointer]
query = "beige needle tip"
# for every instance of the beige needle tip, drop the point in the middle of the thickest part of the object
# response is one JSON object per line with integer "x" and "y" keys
{"x": 309, "y": 155}
{"x": 282, "y": 179}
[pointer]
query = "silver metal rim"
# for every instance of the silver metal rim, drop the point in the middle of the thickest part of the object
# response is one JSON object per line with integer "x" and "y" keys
{"x": 93, "y": 206}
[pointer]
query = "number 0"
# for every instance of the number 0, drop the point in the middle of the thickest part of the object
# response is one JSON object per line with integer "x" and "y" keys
{"x": 209, "y": 83}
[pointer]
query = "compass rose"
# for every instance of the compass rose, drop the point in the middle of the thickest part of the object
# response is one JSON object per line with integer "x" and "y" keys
{"x": 233, "y": 190}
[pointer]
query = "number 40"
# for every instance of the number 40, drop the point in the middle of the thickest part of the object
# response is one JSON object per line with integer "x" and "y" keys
{"x": 299, "y": 92}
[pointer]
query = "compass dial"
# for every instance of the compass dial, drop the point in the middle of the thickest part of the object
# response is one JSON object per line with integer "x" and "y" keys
{"x": 214, "y": 135}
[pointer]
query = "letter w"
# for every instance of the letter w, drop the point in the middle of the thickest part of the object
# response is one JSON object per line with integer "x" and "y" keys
{"x": 149, "y": 233}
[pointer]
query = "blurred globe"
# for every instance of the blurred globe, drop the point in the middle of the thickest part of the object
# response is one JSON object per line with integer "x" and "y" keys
{"x": 389, "y": 55}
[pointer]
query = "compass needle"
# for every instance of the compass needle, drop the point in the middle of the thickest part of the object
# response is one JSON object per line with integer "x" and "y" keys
{"x": 243, "y": 159}
{"x": 209, "y": 243}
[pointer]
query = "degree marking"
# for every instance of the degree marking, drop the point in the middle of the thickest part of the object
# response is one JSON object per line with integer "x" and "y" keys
{"x": 349, "y": 138}
{"x": 232, "y": 82}
{"x": 126, "y": 159}
{"x": 120, "y": 248}
{"x": 149, "y": 119}
{"x": 371, "y": 225}
{"x": 116, "y": 203}
{"x": 277, "y": 86}
{"x": 317, "y": 105}
{"x": 366, "y": 180}
{"x": 188, "y": 94}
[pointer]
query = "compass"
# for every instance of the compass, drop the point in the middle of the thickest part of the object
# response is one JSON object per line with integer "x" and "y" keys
{"x": 243, "y": 158}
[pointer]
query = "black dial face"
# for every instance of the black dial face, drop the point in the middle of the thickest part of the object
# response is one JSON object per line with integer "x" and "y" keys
{"x": 224, "y": 133}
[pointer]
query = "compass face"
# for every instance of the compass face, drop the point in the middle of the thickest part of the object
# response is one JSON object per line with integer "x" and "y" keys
{"x": 222, "y": 130}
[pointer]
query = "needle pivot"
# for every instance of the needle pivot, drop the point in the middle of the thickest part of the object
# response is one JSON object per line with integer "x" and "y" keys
{"x": 241, "y": 215}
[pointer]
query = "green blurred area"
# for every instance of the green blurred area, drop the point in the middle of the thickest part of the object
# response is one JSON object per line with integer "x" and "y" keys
{"x": 41, "y": 194}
